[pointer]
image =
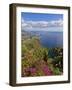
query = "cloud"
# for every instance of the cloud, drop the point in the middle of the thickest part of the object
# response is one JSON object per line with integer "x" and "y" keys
{"x": 41, "y": 24}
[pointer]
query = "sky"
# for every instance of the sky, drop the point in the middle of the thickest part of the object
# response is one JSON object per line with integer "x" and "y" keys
{"x": 41, "y": 21}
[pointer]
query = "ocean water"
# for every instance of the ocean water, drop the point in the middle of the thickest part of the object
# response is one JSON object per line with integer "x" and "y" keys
{"x": 50, "y": 39}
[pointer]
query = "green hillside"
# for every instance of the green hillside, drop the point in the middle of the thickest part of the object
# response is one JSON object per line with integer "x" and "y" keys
{"x": 40, "y": 61}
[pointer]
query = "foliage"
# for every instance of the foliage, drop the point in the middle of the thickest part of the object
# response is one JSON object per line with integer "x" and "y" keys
{"x": 40, "y": 61}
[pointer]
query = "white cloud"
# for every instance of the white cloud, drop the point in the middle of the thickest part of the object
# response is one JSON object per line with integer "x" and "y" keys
{"x": 41, "y": 24}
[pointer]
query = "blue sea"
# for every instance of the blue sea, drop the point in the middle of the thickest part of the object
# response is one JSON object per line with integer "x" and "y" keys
{"x": 49, "y": 39}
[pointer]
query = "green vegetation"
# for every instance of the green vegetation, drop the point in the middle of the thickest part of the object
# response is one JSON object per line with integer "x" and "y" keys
{"x": 40, "y": 61}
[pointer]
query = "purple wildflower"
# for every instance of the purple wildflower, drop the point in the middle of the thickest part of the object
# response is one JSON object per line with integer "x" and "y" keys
{"x": 29, "y": 71}
{"x": 47, "y": 70}
{"x": 32, "y": 70}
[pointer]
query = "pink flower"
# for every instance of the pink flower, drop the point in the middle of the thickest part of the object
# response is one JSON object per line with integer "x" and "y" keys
{"x": 47, "y": 70}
